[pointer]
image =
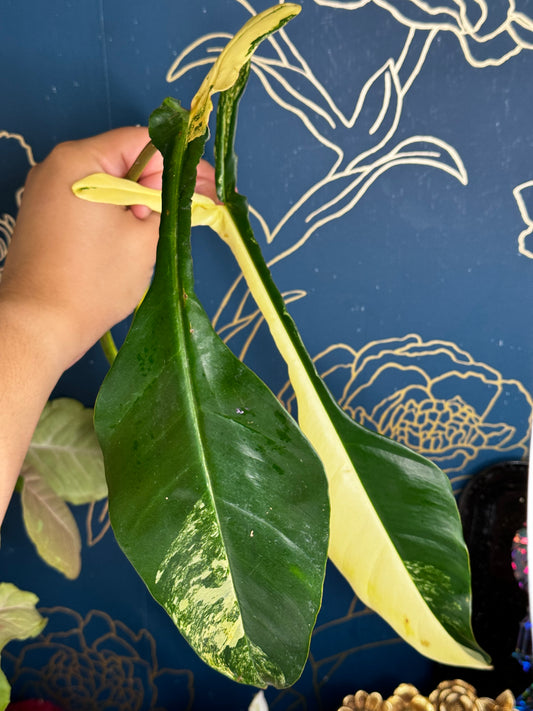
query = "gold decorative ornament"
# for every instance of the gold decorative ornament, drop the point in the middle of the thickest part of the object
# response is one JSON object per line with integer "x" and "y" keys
{"x": 454, "y": 695}
{"x": 362, "y": 701}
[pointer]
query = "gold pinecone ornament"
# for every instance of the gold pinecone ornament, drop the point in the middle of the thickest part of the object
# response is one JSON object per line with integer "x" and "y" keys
{"x": 455, "y": 695}
{"x": 361, "y": 701}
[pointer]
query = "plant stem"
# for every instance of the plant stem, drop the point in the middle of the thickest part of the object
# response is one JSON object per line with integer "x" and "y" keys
{"x": 109, "y": 347}
{"x": 140, "y": 163}
{"x": 134, "y": 173}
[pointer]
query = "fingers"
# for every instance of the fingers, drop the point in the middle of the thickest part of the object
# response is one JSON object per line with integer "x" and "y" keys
{"x": 205, "y": 180}
{"x": 116, "y": 151}
{"x": 131, "y": 141}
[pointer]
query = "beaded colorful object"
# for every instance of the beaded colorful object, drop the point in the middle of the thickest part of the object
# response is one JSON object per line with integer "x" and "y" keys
{"x": 523, "y": 651}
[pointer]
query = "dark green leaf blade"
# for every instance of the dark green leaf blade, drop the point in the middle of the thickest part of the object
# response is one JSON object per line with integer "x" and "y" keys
{"x": 215, "y": 496}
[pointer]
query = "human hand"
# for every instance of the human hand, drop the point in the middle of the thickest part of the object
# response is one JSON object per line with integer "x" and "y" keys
{"x": 76, "y": 267}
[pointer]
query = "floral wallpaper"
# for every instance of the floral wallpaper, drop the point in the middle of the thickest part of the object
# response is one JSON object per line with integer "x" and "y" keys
{"x": 386, "y": 151}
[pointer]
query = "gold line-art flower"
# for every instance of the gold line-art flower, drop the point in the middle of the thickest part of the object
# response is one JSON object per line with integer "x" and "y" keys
{"x": 95, "y": 662}
{"x": 7, "y": 221}
{"x": 489, "y": 33}
{"x": 431, "y": 396}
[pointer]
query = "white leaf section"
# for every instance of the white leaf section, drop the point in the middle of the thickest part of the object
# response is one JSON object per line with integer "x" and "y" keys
{"x": 258, "y": 703}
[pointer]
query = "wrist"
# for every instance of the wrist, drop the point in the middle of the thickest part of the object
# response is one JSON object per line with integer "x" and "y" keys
{"x": 32, "y": 331}
{"x": 31, "y": 362}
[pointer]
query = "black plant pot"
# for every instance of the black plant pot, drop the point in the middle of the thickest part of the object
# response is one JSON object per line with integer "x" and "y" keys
{"x": 493, "y": 509}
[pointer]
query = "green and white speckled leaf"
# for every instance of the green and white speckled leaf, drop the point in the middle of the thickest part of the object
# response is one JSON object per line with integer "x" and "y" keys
{"x": 215, "y": 495}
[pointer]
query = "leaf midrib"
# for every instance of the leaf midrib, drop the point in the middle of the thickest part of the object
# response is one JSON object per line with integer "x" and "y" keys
{"x": 181, "y": 334}
{"x": 47, "y": 446}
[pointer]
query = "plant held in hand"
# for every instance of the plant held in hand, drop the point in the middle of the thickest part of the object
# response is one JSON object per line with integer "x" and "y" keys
{"x": 215, "y": 495}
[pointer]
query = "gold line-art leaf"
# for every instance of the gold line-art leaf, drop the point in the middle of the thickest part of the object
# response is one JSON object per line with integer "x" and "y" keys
{"x": 483, "y": 43}
{"x": 50, "y": 525}
{"x": 178, "y": 69}
{"x": 521, "y": 192}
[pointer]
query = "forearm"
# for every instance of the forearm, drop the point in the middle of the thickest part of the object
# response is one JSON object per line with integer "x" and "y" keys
{"x": 30, "y": 365}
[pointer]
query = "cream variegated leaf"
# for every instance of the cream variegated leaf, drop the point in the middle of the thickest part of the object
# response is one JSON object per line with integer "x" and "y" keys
{"x": 102, "y": 187}
{"x": 360, "y": 544}
{"x": 225, "y": 71}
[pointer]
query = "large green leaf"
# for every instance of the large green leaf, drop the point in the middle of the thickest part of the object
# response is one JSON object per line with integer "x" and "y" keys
{"x": 50, "y": 525}
{"x": 19, "y": 619}
{"x": 405, "y": 555}
{"x": 396, "y": 533}
{"x": 65, "y": 452}
{"x": 214, "y": 494}
{"x": 395, "y": 529}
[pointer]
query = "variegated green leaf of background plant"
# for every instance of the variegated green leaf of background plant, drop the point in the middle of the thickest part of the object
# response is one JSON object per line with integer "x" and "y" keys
{"x": 50, "y": 525}
{"x": 214, "y": 494}
{"x": 395, "y": 533}
{"x": 19, "y": 619}
{"x": 65, "y": 452}
{"x": 5, "y": 691}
